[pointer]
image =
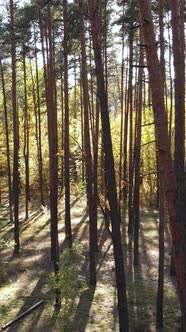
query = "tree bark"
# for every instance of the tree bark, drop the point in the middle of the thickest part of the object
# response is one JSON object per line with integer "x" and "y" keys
{"x": 136, "y": 200}
{"x": 164, "y": 156}
{"x": 38, "y": 130}
{"x": 171, "y": 84}
{"x": 177, "y": 16}
{"x": 111, "y": 180}
{"x": 159, "y": 300}
{"x": 130, "y": 106}
{"x": 15, "y": 134}
{"x": 7, "y": 143}
{"x": 88, "y": 156}
{"x": 26, "y": 137}
{"x": 122, "y": 115}
{"x": 53, "y": 153}
{"x": 68, "y": 230}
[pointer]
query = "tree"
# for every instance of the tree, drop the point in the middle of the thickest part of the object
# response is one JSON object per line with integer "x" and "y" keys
{"x": 160, "y": 293}
{"x": 177, "y": 18}
{"x": 38, "y": 123}
{"x": 66, "y": 129}
{"x": 23, "y": 21}
{"x": 109, "y": 160}
{"x": 7, "y": 141}
{"x": 53, "y": 152}
{"x": 167, "y": 175}
{"x": 130, "y": 112}
{"x": 88, "y": 156}
{"x": 26, "y": 134}
{"x": 136, "y": 199}
{"x": 15, "y": 133}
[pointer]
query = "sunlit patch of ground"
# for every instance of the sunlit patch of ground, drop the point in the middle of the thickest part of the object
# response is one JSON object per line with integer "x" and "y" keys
{"x": 25, "y": 279}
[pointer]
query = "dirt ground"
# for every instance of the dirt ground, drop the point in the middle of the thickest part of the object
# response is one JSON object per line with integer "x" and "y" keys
{"x": 25, "y": 279}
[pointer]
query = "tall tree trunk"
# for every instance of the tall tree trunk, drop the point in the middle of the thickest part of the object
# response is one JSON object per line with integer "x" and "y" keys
{"x": 162, "y": 41}
{"x": 165, "y": 162}
{"x": 15, "y": 134}
{"x": 44, "y": 52}
{"x": 75, "y": 174}
{"x": 95, "y": 169}
{"x": 68, "y": 230}
{"x": 111, "y": 180}
{"x": 125, "y": 143}
{"x": 136, "y": 200}
{"x": 122, "y": 115}
{"x": 88, "y": 156}
{"x": 26, "y": 137}
{"x": 82, "y": 133}
{"x": 130, "y": 106}
{"x": 105, "y": 33}
{"x": 171, "y": 84}
{"x": 177, "y": 17}
{"x": 162, "y": 67}
{"x": 36, "y": 122}
{"x": 7, "y": 143}
{"x": 40, "y": 157}
{"x": 159, "y": 300}
{"x": 62, "y": 128}
{"x": 53, "y": 153}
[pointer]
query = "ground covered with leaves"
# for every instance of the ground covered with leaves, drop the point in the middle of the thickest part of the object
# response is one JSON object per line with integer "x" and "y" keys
{"x": 27, "y": 278}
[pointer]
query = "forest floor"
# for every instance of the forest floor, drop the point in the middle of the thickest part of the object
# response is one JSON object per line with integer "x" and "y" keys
{"x": 26, "y": 279}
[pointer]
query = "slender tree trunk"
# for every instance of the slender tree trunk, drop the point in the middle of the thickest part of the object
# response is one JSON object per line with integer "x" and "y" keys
{"x": 111, "y": 180}
{"x": 171, "y": 84}
{"x": 26, "y": 137}
{"x": 177, "y": 16}
{"x": 53, "y": 152}
{"x": 164, "y": 156}
{"x": 62, "y": 129}
{"x": 162, "y": 41}
{"x": 75, "y": 174}
{"x": 36, "y": 123}
{"x": 122, "y": 116}
{"x": 88, "y": 157}
{"x": 94, "y": 107}
{"x": 172, "y": 265}
{"x": 162, "y": 67}
{"x": 159, "y": 301}
{"x": 40, "y": 157}
{"x": 68, "y": 231}
{"x": 15, "y": 134}
{"x": 82, "y": 134}
{"x": 7, "y": 143}
{"x": 125, "y": 143}
{"x": 157, "y": 185}
{"x": 130, "y": 105}
{"x": 45, "y": 73}
{"x": 105, "y": 33}
{"x": 95, "y": 169}
{"x": 137, "y": 159}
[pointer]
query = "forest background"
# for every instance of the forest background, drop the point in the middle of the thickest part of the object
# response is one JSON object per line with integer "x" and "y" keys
{"x": 92, "y": 104}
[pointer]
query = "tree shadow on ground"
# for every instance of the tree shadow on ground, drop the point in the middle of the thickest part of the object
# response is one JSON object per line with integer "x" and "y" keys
{"x": 33, "y": 298}
{"x": 142, "y": 281}
{"x": 72, "y": 204}
{"x": 141, "y": 289}
{"x": 82, "y": 311}
{"x": 77, "y": 228}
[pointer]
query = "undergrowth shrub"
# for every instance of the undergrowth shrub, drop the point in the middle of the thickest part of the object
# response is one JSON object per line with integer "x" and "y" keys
{"x": 70, "y": 280}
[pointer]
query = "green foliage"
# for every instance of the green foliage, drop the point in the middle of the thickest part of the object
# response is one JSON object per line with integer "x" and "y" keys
{"x": 69, "y": 280}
